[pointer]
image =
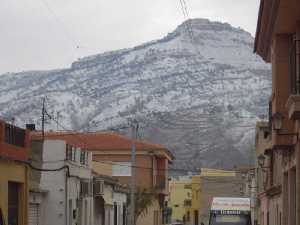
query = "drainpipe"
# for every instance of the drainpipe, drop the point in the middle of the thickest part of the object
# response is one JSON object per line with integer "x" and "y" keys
{"x": 151, "y": 154}
{"x": 66, "y": 199}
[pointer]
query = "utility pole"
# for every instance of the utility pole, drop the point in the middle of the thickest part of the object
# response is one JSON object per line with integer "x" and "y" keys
{"x": 43, "y": 119}
{"x": 57, "y": 118}
{"x": 134, "y": 132}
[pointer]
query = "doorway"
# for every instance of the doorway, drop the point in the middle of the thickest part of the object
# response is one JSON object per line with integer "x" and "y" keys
{"x": 13, "y": 203}
{"x": 196, "y": 217}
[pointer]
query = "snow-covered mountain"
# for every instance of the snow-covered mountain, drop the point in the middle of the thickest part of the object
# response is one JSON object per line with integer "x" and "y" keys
{"x": 200, "y": 98}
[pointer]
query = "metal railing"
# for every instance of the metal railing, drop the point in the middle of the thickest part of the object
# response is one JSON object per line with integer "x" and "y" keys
{"x": 14, "y": 135}
{"x": 187, "y": 203}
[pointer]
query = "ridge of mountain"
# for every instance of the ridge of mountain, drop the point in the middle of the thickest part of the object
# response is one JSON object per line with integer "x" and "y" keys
{"x": 201, "y": 99}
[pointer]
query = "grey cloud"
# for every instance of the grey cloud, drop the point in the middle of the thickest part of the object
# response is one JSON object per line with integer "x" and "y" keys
{"x": 33, "y": 37}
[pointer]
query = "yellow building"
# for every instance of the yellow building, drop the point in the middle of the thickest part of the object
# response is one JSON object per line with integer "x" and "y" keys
{"x": 180, "y": 195}
{"x": 14, "y": 175}
{"x": 192, "y": 209}
{"x": 207, "y": 172}
{"x": 218, "y": 183}
{"x": 13, "y": 193}
{"x": 210, "y": 183}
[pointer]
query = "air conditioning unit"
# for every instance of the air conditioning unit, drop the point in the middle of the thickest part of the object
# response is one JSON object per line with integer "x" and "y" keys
{"x": 98, "y": 187}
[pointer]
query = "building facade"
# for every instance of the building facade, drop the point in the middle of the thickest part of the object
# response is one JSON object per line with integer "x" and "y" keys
{"x": 151, "y": 171}
{"x": 277, "y": 41}
{"x": 180, "y": 196}
{"x": 261, "y": 203}
{"x": 192, "y": 205}
{"x": 110, "y": 197}
{"x": 61, "y": 191}
{"x": 14, "y": 145}
{"x": 151, "y": 168}
{"x": 212, "y": 183}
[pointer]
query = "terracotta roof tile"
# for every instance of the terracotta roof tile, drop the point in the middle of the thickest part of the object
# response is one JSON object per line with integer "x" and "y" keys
{"x": 100, "y": 141}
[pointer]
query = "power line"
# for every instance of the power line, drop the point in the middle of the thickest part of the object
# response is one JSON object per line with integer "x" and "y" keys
{"x": 39, "y": 169}
{"x": 77, "y": 137}
{"x": 59, "y": 22}
{"x": 208, "y": 179}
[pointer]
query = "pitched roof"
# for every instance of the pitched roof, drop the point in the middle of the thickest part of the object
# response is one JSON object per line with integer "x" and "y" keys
{"x": 100, "y": 141}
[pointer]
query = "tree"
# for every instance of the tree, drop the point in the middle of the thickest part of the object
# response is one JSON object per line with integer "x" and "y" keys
{"x": 144, "y": 199}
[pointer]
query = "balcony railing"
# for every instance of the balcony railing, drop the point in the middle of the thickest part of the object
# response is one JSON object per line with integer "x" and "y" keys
{"x": 14, "y": 135}
{"x": 187, "y": 203}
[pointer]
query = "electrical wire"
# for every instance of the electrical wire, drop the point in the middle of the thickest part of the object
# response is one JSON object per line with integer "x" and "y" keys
{"x": 77, "y": 137}
{"x": 68, "y": 37}
{"x": 36, "y": 168}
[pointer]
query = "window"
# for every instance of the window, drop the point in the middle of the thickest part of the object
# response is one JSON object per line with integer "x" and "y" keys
{"x": 86, "y": 188}
{"x": 73, "y": 154}
{"x": 82, "y": 157}
{"x": 68, "y": 152}
{"x": 86, "y": 158}
{"x": 14, "y": 135}
{"x": 121, "y": 169}
{"x": 294, "y": 76}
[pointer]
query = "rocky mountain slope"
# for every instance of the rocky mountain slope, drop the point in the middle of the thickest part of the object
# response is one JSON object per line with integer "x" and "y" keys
{"x": 201, "y": 98}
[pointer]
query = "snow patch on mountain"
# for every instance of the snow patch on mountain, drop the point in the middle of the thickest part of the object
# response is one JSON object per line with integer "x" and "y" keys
{"x": 201, "y": 99}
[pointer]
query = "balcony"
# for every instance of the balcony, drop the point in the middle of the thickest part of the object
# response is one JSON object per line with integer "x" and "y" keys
{"x": 293, "y": 103}
{"x": 14, "y": 135}
{"x": 13, "y": 142}
{"x": 161, "y": 182}
{"x": 187, "y": 203}
{"x": 293, "y": 106}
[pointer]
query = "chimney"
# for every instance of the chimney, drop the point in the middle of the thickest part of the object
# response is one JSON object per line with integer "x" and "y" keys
{"x": 30, "y": 127}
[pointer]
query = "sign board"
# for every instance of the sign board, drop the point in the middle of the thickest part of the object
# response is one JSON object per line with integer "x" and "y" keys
{"x": 230, "y": 204}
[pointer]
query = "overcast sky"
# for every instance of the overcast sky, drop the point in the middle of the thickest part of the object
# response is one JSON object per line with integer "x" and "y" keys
{"x": 44, "y": 34}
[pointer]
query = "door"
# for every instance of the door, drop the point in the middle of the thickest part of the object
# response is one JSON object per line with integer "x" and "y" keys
{"x": 1, "y": 217}
{"x": 115, "y": 214}
{"x": 33, "y": 214}
{"x": 196, "y": 217}
{"x": 14, "y": 210}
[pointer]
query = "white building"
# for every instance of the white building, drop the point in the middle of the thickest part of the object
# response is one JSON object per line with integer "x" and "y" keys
{"x": 111, "y": 202}
{"x": 62, "y": 193}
